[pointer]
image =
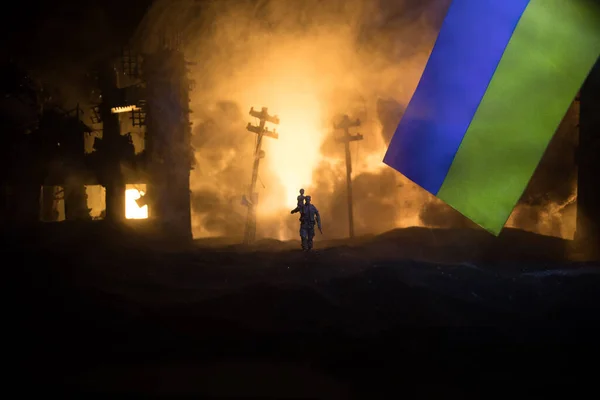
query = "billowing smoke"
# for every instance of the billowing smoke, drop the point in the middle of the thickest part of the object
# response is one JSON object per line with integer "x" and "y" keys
{"x": 309, "y": 62}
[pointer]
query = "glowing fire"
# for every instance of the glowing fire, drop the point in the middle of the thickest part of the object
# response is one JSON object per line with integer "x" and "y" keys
{"x": 306, "y": 77}
{"x": 132, "y": 210}
{"x": 293, "y": 94}
{"x": 294, "y": 155}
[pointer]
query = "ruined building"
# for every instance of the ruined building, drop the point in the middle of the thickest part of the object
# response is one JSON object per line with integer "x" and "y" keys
{"x": 158, "y": 100}
{"x": 42, "y": 146}
{"x": 44, "y": 157}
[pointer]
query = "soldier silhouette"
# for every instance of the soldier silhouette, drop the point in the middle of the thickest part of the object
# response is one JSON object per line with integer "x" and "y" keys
{"x": 309, "y": 216}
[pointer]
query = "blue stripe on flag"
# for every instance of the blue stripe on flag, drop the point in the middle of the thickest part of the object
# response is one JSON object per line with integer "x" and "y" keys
{"x": 465, "y": 56}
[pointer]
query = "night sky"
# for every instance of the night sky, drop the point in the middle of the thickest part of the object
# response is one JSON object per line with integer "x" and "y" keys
{"x": 42, "y": 33}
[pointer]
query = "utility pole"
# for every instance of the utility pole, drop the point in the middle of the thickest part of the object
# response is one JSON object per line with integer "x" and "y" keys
{"x": 261, "y": 131}
{"x": 345, "y": 125}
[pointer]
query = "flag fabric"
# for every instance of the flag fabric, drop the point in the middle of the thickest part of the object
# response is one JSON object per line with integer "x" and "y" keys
{"x": 500, "y": 78}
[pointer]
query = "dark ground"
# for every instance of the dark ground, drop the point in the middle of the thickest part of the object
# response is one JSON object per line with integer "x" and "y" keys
{"x": 414, "y": 311}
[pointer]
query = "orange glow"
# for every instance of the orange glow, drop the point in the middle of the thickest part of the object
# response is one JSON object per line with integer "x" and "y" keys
{"x": 132, "y": 210}
{"x": 293, "y": 92}
{"x": 295, "y": 154}
{"x": 307, "y": 77}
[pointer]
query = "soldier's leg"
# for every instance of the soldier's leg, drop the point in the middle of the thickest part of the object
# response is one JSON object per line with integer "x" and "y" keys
{"x": 311, "y": 235}
{"x": 303, "y": 238}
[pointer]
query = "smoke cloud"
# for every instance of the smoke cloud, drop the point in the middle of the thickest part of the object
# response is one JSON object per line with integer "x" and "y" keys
{"x": 309, "y": 62}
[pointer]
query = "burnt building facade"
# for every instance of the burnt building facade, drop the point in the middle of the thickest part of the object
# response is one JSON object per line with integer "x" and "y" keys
{"x": 45, "y": 159}
{"x": 168, "y": 152}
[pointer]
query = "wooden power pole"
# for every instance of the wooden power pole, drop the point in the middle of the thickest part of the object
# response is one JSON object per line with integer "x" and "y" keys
{"x": 345, "y": 125}
{"x": 260, "y": 131}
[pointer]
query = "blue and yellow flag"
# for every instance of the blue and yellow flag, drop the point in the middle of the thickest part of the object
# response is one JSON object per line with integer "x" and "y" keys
{"x": 500, "y": 78}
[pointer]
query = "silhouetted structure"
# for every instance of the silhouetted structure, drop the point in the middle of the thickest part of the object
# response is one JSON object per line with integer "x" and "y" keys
{"x": 60, "y": 145}
{"x": 345, "y": 126}
{"x": 20, "y": 109}
{"x": 168, "y": 152}
{"x": 261, "y": 131}
{"x": 112, "y": 148}
{"x": 588, "y": 157}
{"x": 43, "y": 147}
